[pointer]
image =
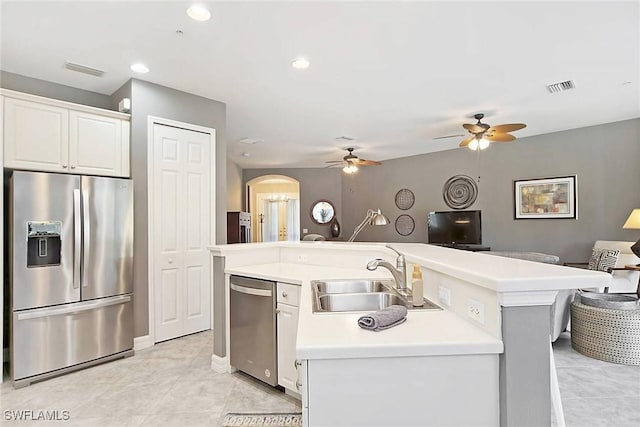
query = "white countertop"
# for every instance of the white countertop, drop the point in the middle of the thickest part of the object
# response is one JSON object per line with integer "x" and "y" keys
{"x": 497, "y": 273}
{"x": 442, "y": 332}
{"x": 337, "y": 335}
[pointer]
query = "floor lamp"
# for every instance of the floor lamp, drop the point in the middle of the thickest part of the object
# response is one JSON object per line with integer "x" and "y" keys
{"x": 374, "y": 218}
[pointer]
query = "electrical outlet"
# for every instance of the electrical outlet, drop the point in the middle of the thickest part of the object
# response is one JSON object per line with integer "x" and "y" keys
{"x": 444, "y": 295}
{"x": 305, "y": 230}
{"x": 475, "y": 310}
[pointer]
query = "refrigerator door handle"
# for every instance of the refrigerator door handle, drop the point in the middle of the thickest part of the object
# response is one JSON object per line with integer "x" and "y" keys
{"x": 77, "y": 236}
{"x": 73, "y": 308}
{"x": 86, "y": 233}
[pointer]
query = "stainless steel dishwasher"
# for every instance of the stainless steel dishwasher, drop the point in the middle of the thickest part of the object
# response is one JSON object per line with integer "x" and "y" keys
{"x": 253, "y": 345}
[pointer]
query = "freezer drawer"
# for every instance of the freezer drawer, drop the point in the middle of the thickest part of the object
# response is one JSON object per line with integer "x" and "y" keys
{"x": 46, "y": 339}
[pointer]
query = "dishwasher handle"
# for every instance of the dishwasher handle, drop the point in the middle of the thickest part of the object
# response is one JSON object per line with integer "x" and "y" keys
{"x": 251, "y": 291}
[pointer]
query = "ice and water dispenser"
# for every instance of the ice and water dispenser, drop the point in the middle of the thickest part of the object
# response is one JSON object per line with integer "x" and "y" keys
{"x": 43, "y": 243}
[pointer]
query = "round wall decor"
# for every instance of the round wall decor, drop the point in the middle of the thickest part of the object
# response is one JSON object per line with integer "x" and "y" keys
{"x": 405, "y": 225}
{"x": 460, "y": 192}
{"x": 405, "y": 199}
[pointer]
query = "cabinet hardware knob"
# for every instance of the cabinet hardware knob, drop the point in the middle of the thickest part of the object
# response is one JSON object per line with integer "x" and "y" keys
{"x": 73, "y": 167}
{"x": 297, "y": 363}
{"x": 284, "y": 295}
{"x": 298, "y": 385}
{"x": 277, "y": 311}
{"x": 170, "y": 261}
{"x": 64, "y": 166}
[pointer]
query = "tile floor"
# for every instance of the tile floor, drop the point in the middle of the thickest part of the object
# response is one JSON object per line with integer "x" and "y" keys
{"x": 172, "y": 384}
{"x": 596, "y": 393}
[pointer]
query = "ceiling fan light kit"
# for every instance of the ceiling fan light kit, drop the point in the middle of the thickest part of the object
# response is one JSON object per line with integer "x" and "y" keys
{"x": 476, "y": 144}
{"x": 351, "y": 162}
{"x": 349, "y": 169}
{"x": 484, "y": 134}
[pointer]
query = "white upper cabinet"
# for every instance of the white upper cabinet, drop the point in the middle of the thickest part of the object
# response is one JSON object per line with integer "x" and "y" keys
{"x": 97, "y": 144}
{"x": 36, "y": 136}
{"x": 54, "y": 136}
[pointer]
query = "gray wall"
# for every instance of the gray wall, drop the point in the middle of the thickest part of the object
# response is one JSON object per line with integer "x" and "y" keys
{"x": 54, "y": 90}
{"x": 604, "y": 157}
{"x": 234, "y": 187}
{"x": 315, "y": 184}
{"x": 148, "y": 99}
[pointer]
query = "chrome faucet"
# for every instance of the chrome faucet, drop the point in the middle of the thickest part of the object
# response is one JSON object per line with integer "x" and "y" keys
{"x": 398, "y": 272}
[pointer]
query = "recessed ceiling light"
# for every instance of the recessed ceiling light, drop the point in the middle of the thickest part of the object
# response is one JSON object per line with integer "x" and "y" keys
{"x": 300, "y": 63}
{"x": 250, "y": 141}
{"x": 199, "y": 13}
{"x": 139, "y": 67}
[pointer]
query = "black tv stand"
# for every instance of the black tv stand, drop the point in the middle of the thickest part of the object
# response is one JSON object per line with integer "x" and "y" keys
{"x": 462, "y": 247}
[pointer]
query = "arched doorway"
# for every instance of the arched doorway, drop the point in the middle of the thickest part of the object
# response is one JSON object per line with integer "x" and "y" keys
{"x": 274, "y": 204}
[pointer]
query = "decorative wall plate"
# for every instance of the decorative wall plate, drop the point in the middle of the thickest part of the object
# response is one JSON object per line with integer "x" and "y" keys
{"x": 405, "y": 225}
{"x": 460, "y": 192}
{"x": 405, "y": 199}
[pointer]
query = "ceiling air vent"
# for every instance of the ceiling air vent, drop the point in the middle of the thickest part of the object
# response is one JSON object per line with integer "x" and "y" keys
{"x": 83, "y": 69}
{"x": 345, "y": 138}
{"x": 561, "y": 87}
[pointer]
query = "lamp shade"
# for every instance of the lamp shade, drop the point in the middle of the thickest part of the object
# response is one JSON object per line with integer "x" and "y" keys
{"x": 378, "y": 218}
{"x": 633, "y": 221}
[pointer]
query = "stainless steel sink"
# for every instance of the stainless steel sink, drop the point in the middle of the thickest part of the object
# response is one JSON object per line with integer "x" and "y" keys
{"x": 352, "y": 286}
{"x": 359, "y": 302}
{"x": 345, "y": 295}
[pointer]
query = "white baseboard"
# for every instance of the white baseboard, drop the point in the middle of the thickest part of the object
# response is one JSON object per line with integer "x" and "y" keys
{"x": 140, "y": 343}
{"x": 219, "y": 364}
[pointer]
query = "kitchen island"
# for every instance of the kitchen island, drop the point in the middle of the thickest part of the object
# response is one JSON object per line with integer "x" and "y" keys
{"x": 487, "y": 349}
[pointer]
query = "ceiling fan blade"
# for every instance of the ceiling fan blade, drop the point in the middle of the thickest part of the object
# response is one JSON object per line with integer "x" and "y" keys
{"x": 363, "y": 162}
{"x": 506, "y": 128}
{"x": 500, "y": 137}
{"x": 448, "y": 136}
{"x": 473, "y": 128}
{"x": 466, "y": 142}
{"x": 337, "y": 165}
{"x": 335, "y": 161}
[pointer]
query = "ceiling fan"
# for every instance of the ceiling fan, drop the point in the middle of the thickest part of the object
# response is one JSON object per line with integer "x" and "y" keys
{"x": 351, "y": 162}
{"x": 483, "y": 134}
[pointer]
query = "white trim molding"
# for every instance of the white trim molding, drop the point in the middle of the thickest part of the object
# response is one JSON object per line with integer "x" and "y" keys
{"x": 140, "y": 343}
{"x": 529, "y": 298}
{"x": 219, "y": 364}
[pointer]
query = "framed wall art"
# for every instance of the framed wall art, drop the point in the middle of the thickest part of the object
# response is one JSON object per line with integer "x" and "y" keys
{"x": 546, "y": 198}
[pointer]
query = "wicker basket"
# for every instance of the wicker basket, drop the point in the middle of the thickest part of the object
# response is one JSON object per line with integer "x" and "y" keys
{"x": 606, "y": 334}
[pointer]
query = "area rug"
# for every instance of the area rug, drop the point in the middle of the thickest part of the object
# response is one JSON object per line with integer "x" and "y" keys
{"x": 261, "y": 420}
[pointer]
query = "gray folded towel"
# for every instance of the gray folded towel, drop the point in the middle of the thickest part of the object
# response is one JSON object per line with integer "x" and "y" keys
{"x": 384, "y": 319}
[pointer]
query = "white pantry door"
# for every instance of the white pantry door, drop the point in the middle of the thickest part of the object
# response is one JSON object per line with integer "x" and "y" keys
{"x": 181, "y": 226}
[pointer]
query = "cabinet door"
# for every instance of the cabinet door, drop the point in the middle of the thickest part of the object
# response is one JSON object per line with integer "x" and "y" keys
{"x": 287, "y": 331}
{"x": 95, "y": 144}
{"x": 35, "y": 136}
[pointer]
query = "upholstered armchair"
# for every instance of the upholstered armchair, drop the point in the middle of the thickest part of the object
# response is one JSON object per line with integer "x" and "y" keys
{"x": 622, "y": 281}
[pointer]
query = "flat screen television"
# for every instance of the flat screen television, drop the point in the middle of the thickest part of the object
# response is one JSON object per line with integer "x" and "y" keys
{"x": 455, "y": 228}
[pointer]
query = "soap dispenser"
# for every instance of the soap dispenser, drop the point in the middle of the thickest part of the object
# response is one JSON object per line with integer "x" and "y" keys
{"x": 417, "y": 287}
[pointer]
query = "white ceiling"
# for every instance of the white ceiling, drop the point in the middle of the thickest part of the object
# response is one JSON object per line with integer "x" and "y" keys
{"x": 393, "y": 75}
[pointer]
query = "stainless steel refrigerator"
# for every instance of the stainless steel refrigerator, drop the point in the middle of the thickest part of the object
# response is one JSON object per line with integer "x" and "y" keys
{"x": 71, "y": 272}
